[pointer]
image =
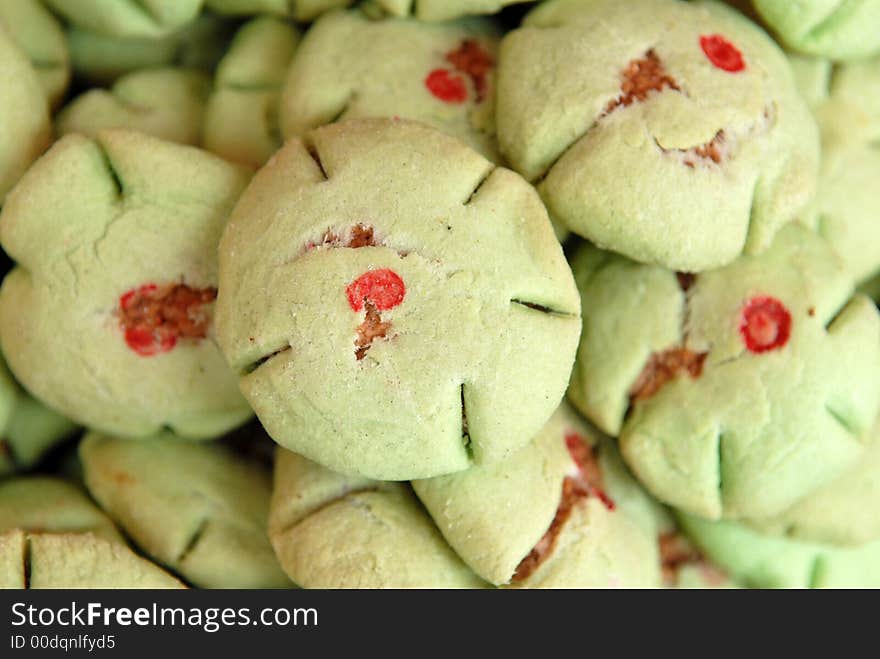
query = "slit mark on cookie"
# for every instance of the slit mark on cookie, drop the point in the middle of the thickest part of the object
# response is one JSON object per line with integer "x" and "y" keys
{"x": 479, "y": 186}
{"x": 193, "y": 540}
{"x": 27, "y": 565}
{"x": 586, "y": 482}
{"x": 641, "y": 78}
{"x": 465, "y": 430}
{"x": 253, "y": 366}
{"x": 153, "y": 318}
{"x": 313, "y": 152}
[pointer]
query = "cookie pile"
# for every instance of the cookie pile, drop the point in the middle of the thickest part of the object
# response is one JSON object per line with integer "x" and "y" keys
{"x": 561, "y": 294}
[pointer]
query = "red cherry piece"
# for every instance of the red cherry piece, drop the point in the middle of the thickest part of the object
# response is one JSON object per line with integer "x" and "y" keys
{"x": 447, "y": 86}
{"x": 144, "y": 343}
{"x": 765, "y": 324}
{"x": 722, "y": 53}
{"x": 383, "y": 288}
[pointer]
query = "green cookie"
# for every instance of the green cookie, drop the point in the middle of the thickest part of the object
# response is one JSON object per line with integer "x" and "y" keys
{"x": 436, "y": 10}
{"x": 24, "y": 114}
{"x": 101, "y": 59}
{"x": 39, "y": 34}
{"x": 108, "y": 316}
{"x": 241, "y": 120}
{"x": 561, "y": 512}
{"x": 199, "y": 509}
{"x": 670, "y": 132}
{"x": 764, "y": 561}
{"x": 167, "y": 103}
{"x": 52, "y": 536}
{"x": 333, "y": 531}
{"x": 830, "y": 28}
{"x": 385, "y": 296}
{"x": 349, "y": 66}
{"x": 128, "y": 18}
{"x": 844, "y": 512}
{"x": 738, "y": 392}
{"x": 845, "y": 99}
{"x": 28, "y": 430}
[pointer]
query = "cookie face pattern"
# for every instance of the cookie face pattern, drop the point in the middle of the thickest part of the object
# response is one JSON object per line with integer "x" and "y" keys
{"x": 548, "y": 516}
{"x": 385, "y": 293}
{"x": 828, "y": 28}
{"x": 198, "y": 508}
{"x": 241, "y": 120}
{"x": 693, "y": 98}
{"x": 349, "y": 66}
{"x": 736, "y": 392}
{"x": 168, "y": 103}
{"x": 130, "y": 272}
{"x": 378, "y": 535}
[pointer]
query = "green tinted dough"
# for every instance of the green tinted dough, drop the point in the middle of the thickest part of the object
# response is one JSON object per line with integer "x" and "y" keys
{"x": 28, "y": 429}
{"x": 843, "y": 512}
{"x": 476, "y": 253}
{"x": 52, "y": 536}
{"x": 241, "y": 120}
{"x": 100, "y": 59}
{"x": 830, "y": 28}
{"x": 845, "y": 98}
{"x": 91, "y": 221}
{"x": 39, "y": 34}
{"x": 199, "y": 509}
{"x": 333, "y": 531}
{"x": 349, "y": 66}
{"x": 128, "y": 18}
{"x": 24, "y": 114}
{"x": 493, "y": 516}
{"x": 763, "y": 561}
{"x": 620, "y": 178}
{"x": 167, "y": 103}
{"x": 756, "y": 431}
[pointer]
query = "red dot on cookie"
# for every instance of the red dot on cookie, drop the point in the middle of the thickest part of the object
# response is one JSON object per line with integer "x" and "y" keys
{"x": 722, "y": 53}
{"x": 765, "y": 324}
{"x": 145, "y": 343}
{"x": 383, "y": 288}
{"x": 447, "y": 86}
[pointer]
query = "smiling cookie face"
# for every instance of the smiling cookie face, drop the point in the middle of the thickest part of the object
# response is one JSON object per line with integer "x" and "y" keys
{"x": 385, "y": 296}
{"x": 549, "y": 516}
{"x": 109, "y": 315}
{"x": 736, "y": 392}
{"x": 693, "y": 98}
{"x": 349, "y": 67}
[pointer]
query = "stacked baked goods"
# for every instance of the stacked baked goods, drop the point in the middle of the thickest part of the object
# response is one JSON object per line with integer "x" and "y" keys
{"x": 440, "y": 294}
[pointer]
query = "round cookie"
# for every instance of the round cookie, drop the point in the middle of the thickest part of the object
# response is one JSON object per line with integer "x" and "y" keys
{"x": 561, "y": 512}
{"x": 128, "y": 18}
{"x": 28, "y": 429}
{"x": 241, "y": 120}
{"x": 39, "y": 34}
{"x": 24, "y": 114}
{"x": 764, "y": 561}
{"x": 845, "y": 512}
{"x": 736, "y": 392}
{"x": 199, "y": 509}
{"x": 101, "y": 59}
{"x": 168, "y": 103}
{"x": 333, "y": 531}
{"x": 829, "y": 28}
{"x": 349, "y": 66}
{"x": 668, "y": 131}
{"x": 385, "y": 293}
{"x": 52, "y": 536}
{"x": 108, "y": 315}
